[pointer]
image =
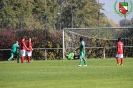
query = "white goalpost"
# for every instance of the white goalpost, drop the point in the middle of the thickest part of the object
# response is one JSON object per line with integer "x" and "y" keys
{"x": 100, "y": 42}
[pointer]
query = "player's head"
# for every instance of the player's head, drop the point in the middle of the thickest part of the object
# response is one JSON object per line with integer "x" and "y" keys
{"x": 81, "y": 38}
{"x": 29, "y": 39}
{"x": 16, "y": 42}
{"x": 23, "y": 38}
{"x": 119, "y": 39}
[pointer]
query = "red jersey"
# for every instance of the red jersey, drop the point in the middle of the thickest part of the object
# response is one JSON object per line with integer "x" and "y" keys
{"x": 29, "y": 46}
{"x": 120, "y": 48}
{"x": 22, "y": 45}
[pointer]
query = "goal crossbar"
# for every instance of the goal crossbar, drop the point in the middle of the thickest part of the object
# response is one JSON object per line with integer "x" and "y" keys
{"x": 96, "y": 28}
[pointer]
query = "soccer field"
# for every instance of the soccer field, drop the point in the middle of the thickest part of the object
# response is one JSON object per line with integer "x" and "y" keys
{"x": 100, "y": 73}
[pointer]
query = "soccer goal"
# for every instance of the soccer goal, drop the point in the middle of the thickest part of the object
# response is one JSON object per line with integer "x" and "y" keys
{"x": 100, "y": 42}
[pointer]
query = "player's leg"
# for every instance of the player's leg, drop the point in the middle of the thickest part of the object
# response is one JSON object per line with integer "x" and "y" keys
{"x": 121, "y": 56}
{"x": 122, "y": 61}
{"x": 117, "y": 59}
{"x": 17, "y": 57}
{"x": 80, "y": 62}
{"x": 29, "y": 55}
{"x": 22, "y": 55}
{"x": 11, "y": 57}
{"x": 85, "y": 64}
{"x": 28, "y": 59}
{"x": 72, "y": 57}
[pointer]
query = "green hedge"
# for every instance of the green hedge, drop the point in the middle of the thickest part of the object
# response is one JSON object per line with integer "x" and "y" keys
{"x": 53, "y": 39}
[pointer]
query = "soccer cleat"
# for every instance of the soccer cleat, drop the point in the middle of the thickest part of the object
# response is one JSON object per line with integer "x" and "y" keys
{"x": 85, "y": 65}
{"x": 118, "y": 64}
{"x": 121, "y": 64}
{"x": 79, "y": 65}
{"x": 9, "y": 59}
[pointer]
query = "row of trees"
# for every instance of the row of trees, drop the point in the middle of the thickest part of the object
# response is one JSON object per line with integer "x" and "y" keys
{"x": 53, "y": 14}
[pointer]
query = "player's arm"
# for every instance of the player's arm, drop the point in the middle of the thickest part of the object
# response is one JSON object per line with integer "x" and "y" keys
{"x": 25, "y": 46}
{"x": 30, "y": 46}
{"x": 18, "y": 46}
{"x": 83, "y": 49}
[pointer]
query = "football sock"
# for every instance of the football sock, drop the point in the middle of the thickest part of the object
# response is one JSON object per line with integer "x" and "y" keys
{"x": 10, "y": 57}
{"x": 28, "y": 58}
{"x": 22, "y": 59}
{"x": 117, "y": 60}
{"x": 80, "y": 62}
{"x": 85, "y": 62}
{"x": 17, "y": 58}
{"x": 121, "y": 60}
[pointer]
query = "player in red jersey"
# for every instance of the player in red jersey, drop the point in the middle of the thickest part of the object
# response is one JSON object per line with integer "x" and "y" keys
{"x": 29, "y": 52}
{"x": 119, "y": 54}
{"x": 23, "y": 49}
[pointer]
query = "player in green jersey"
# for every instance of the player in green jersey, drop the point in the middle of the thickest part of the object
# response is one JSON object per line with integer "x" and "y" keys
{"x": 70, "y": 56}
{"x": 14, "y": 51}
{"x": 82, "y": 52}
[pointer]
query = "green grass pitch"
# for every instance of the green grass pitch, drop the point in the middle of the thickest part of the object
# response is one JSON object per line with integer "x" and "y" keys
{"x": 100, "y": 73}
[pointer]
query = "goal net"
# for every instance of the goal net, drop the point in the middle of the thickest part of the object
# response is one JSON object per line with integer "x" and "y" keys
{"x": 100, "y": 42}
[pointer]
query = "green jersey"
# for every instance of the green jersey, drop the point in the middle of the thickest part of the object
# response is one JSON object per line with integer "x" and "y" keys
{"x": 82, "y": 50}
{"x": 82, "y": 45}
{"x": 14, "y": 48}
{"x": 70, "y": 56}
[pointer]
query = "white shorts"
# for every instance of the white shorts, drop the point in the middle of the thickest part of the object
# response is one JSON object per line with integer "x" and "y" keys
{"x": 22, "y": 52}
{"x": 119, "y": 55}
{"x": 29, "y": 53}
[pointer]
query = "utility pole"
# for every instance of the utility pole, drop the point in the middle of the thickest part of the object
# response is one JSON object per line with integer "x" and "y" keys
{"x": 72, "y": 15}
{"x": 98, "y": 15}
{"x": 98, "y": 20}
{"x": 45, "y": 31}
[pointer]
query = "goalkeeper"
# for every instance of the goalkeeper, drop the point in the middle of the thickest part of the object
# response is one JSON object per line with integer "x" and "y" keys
{"x": 70, "y": 56}
{"x": 14, "y": 51}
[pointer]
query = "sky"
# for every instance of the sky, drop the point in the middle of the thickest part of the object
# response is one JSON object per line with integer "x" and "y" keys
{"x": 110, "y": 12}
